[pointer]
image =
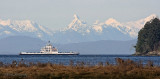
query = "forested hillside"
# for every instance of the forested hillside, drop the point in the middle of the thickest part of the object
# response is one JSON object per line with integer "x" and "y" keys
{"x": 149, "y": 38}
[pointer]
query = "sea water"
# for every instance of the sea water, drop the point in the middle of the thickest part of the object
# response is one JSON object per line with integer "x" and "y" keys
{"x": 66, "y": 59}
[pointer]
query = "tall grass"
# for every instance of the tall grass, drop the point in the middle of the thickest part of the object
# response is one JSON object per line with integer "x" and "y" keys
{"x": 123, "y": 69}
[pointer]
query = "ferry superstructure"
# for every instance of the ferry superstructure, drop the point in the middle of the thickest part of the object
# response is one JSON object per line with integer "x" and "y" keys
{"x": 49, "y": 50}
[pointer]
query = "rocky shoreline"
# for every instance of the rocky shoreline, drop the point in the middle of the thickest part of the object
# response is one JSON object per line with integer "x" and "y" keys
{"x": 152, "y": 53}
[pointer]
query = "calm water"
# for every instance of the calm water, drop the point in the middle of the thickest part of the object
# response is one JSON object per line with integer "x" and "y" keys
{"x": 92, "y": 59}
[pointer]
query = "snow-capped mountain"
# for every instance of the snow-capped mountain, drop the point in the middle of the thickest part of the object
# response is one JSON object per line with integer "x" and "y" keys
{"x": 130, "y": 28}
{"x": 23, "y": 28}
{"x": 77, "y": 31}
{"x": 135, "y": 26}
{"x": 111, "y": 29}
{"x": 77, "y": 25}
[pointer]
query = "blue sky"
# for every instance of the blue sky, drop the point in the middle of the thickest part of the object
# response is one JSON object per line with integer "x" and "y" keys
{"x": 57, "y": 14}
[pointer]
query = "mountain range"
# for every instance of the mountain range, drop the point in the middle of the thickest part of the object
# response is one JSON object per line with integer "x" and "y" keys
{"x": 16, "y": 44}
{"x": 23, "y": 28}
{"x": 111, "y": 29}
{"x": 77, "y": 31}
{"x": 109, "y": 37}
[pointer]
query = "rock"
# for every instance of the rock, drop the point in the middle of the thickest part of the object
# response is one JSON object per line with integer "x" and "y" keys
{"x": 152, "y": 53}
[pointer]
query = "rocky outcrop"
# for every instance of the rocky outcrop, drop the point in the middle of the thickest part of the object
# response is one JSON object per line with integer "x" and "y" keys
{"x": 153, "y": 53}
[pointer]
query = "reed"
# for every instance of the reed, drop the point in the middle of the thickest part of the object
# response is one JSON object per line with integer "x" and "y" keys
{"x": 123, "y": 69}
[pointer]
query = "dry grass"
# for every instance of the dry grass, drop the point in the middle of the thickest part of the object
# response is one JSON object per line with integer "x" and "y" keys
{"x": 124, "y": 69}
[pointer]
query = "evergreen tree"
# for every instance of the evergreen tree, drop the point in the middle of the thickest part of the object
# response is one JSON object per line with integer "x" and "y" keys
{"x": 149, "y": 37}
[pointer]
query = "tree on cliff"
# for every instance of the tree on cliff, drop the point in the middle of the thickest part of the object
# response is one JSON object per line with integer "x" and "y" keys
{"x": 149, "y": 37}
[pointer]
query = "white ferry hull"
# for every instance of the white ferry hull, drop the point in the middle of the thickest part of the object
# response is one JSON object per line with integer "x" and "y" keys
{"x": 22, "y": 53}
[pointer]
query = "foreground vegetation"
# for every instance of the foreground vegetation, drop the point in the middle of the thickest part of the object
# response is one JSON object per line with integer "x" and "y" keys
{"x": 123, "y": 69}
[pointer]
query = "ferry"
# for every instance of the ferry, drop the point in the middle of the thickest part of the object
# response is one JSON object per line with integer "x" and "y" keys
{"x": 49, "y": 50}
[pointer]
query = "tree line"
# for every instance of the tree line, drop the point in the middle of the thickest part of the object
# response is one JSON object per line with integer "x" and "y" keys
{"x": 149, "y": 37}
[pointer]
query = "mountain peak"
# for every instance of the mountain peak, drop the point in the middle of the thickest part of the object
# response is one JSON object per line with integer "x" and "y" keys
{"x": 5, "y": 22}
{"x": 15, "y": 22}
{"x": 144, "y": 20}
{"x": 76, "y": 23}
{"x": 23, "y": 27}
{"x": 152, "y": 16}
{"x": 112, "y": 22}
{"x": 75, "y": 16}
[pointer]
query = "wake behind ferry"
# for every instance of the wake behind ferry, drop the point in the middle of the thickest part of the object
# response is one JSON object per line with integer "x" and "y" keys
{"x": 49, "y": 50}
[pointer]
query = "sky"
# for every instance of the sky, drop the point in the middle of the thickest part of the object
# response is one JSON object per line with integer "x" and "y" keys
{"x": 56, "y": 14}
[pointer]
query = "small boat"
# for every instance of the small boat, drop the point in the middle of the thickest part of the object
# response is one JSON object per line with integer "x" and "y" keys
{"x": 49, "y": 50}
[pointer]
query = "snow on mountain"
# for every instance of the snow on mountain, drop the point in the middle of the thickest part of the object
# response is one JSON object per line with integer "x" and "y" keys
{"x": 130, "y": 28}
{"x": 137, "y": 25}
{"x": 140, "y": 23}
{"x": 97, "y": 27}
{"x": 111, "y": 29}
{"x": 77, "y": 31}
{"x": 78, "y": 26}
{"x": 80, "y": 31}
{"x": 112, "y": 22}
{"x": 23, "y": 28}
